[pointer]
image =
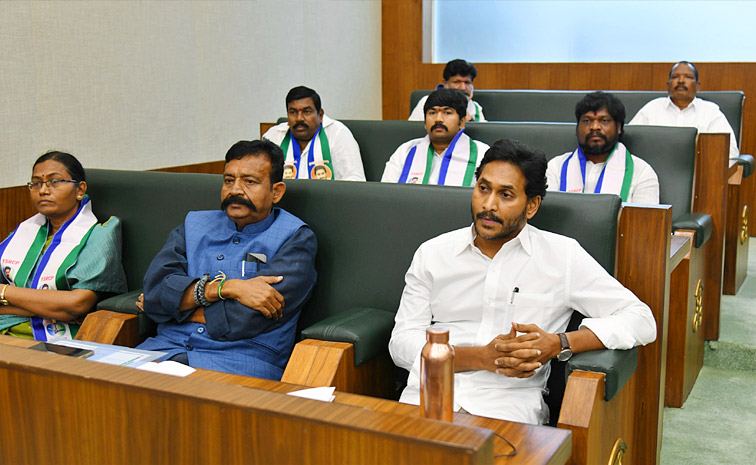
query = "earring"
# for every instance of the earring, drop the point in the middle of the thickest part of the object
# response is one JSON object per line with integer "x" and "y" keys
{"x": 79, "y": 197}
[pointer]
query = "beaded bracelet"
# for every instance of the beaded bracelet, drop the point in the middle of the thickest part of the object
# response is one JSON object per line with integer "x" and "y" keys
{"x": 199, "y": 292}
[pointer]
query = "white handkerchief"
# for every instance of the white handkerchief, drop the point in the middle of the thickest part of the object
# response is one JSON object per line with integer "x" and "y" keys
{"x": 168, "y": 368}
{"x": 319, "y": 393}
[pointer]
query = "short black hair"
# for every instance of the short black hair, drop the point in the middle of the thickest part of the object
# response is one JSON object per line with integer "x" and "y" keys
{"x": 300, "y": 92}
{"x": 245, "y": 148}
{"x": 531, "y": 161}
{"x": 72, "y": 165}
{"x": 695, "y": 70}
{"x": 595, "y": 101}
{"x": 447, "y": 98}
{"x": 460, "y": 67}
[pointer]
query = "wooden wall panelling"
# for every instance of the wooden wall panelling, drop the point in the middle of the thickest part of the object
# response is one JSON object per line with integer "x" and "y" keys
{"x": 15, "y": 207}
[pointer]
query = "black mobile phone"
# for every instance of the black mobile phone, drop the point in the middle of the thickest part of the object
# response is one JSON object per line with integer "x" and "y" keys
{"x": 64, "y": 350}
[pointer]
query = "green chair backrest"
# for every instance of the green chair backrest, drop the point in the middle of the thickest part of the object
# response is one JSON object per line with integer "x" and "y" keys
{"x": 559, "y": 105}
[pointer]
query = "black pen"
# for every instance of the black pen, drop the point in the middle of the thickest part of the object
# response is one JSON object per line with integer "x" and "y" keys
{"x": 514, "y": 291}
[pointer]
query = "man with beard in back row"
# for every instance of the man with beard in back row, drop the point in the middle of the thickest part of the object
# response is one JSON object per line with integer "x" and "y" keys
{"x": 602, "y": 164}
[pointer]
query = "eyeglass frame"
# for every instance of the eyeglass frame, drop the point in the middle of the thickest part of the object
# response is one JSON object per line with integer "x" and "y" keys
{"x": 50, "y": 183}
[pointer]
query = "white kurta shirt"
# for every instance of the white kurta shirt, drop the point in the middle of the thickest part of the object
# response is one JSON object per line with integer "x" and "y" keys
{"x": 700, "y": 114}
{"x": 345, "y": 152}
{"x": 473, "y": 107}
{"x": 394, "y": 166}
{"x": 644, "y": 187}
{"x": 451, "y": 283}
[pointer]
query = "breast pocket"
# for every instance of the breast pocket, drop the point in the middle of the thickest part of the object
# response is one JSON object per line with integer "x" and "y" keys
{"x": 531, "y": 308}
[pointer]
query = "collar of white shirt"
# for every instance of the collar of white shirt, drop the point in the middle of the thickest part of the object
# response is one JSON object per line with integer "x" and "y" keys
{"x": 521, "y": 240}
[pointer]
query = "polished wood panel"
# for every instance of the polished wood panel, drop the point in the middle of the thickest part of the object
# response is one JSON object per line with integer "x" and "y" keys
{"x": 643, "y": 250}
{"x": 737, "y": 232}
{"x": 711, "y": 197}
{"x": 324, "y": 363}
{"x": 212, "y": 167}
{"x": 118, "y": 412}
{"x": 685, "y": 345}
{"x": 15, "y": 207}
{"x": 108, "y": 327}
{"x": 596, "y": 424}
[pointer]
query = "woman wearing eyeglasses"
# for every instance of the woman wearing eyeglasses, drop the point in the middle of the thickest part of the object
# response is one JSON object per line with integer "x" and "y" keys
{"x": 61, "y": 261}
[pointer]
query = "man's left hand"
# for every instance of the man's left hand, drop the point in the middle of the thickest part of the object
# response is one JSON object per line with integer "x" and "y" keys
{"x": 518, "y": 353}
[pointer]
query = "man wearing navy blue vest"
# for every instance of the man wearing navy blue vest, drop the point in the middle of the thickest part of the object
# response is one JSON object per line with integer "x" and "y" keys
{"x": 227, "y": 288}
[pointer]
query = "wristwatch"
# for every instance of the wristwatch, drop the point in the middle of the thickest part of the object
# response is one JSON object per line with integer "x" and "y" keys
{"x": 566, "y": 352}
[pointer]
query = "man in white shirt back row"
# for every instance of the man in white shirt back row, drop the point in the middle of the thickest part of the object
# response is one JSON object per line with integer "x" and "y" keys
{"x": 602, "y": 164}
{"x": 682, "y": 108}
{"x": 506, "y": 292}
{"x": 446, "y": 156}
{"x": 458, "y": 74}
{"x": 314, "y": 145}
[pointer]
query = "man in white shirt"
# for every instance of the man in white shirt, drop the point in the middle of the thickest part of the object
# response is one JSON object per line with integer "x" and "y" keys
{"x": 602, "y": 164}
{"x": 458, "y": 74}
{"x": 682, "y": 108}
{"x": 314, "y": 145}
{"x": 446, "y": 156}
{"x": 506, "y": 291}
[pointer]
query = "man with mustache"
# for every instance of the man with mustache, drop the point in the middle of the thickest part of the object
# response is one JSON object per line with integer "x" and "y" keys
{"x": 458, "y": 74}
{"x": 309, "y": 138}
{"x": 602, "y": 164}
{"x": 446, "y": 156}
{"x": 682, "y": 108}
{"x": 506, "y": 290}
{"x": 227, "y": 288}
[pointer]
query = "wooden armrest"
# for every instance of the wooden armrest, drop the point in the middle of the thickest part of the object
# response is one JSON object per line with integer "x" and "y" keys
{"x": 109, "y": 327}
{"x": 323, "y": 363}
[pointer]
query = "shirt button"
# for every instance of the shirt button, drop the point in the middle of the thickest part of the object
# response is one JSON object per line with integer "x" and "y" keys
{"x": 220, "y": 257}
{"x": 236, "y": 240}
{"x": 201, "y": 329}
{"x": 189, "y": 347}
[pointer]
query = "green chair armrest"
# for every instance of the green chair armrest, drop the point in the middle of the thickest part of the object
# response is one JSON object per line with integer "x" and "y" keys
{"x": 748, "y": 164}
{"x": 126, "y": 303}
{"x": 122, "y": 303}
{"x": 617, "y": 365}
{"x": 701, "y": 223}
{"x": 369, "y": 329}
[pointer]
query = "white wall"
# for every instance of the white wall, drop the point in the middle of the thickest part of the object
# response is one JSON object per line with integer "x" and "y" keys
{"x": 140, "y": 85}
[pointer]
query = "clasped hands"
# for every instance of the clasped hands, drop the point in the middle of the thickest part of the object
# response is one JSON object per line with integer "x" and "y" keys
{"x": 519, "y": 356}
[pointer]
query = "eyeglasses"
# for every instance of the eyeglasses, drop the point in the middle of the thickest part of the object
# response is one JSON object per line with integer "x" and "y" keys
{"x": 51, "y": 184}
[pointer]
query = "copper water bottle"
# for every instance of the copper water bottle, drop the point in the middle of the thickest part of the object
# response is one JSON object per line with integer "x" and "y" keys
{"x": 437, "y": 376}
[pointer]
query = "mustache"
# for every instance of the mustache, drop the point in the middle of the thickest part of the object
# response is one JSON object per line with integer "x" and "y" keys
{"x": 596, "y": 134}
{"x": 301, "y": 126}
{"x": 239, "y": 200}
{"x": 681, "y": 86}
{"x": 488, "y": 216}
{"x": 439, "y": 125}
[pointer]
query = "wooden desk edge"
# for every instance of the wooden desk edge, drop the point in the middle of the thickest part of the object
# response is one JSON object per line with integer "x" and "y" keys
{"x": 476, "y": 429}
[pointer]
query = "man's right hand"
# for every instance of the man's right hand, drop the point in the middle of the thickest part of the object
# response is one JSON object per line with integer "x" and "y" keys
{"x": 256, "y": 293}
{"x": 491, "y": 357}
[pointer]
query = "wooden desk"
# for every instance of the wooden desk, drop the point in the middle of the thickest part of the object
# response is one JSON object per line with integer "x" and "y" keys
{"x": 110, "y": 414}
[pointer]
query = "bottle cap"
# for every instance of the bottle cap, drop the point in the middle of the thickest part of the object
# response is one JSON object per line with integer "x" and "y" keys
{"x": 437, "y": 334}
